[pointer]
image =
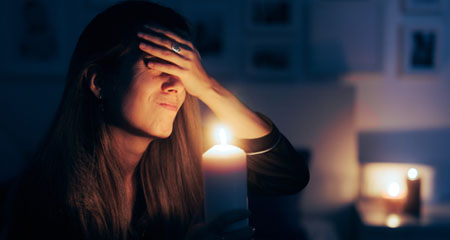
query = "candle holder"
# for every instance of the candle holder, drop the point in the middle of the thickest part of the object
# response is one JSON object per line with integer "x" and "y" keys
{"x": 413, "y": 200}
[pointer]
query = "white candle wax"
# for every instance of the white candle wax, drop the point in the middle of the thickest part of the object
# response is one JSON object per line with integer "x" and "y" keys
{"x": 225, "y": 178}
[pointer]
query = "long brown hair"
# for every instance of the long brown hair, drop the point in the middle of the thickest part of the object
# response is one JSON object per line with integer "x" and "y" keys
{"x": 75, "y": 173}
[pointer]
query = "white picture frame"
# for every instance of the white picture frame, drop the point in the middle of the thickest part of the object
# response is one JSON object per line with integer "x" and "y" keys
{"x": 423, "y": 48}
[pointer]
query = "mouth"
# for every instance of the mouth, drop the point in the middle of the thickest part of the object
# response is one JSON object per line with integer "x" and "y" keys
{"x": 169, "y": 106}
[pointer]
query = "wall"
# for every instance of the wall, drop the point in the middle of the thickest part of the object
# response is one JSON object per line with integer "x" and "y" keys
{"x": 405, "y": 117}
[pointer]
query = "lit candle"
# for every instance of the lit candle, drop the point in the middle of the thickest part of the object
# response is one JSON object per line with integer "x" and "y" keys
{"x": 393, "y": 190}
{"x": 225, "y": 178}
{"x": 412, "y": 205}
{"x": 393, "y": 197}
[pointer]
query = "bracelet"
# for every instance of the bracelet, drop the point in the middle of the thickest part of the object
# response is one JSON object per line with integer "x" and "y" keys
{"x": 266, "y": 150}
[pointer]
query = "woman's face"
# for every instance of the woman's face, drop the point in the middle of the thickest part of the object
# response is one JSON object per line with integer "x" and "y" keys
{"x": 146, "y": 101}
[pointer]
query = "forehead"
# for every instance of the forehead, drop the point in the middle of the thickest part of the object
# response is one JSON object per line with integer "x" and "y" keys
{"x": 131, "y": 57}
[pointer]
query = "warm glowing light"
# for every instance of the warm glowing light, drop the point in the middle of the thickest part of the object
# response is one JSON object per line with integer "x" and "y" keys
{"x": 376, "y": 177}
{"x": 393, "y": 221}
{"x": 412, "y": 174}
{"x": 224, "y": 168}
{"x": 222, "y": 136}
{"x": 393, "y": 189}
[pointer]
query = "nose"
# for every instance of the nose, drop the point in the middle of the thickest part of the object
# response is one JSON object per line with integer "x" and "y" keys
{"x": 172, "y": 85}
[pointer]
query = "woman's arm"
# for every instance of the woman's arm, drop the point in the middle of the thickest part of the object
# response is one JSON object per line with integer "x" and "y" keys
{"x": 243, "y": 122}
{"x": 187, "y": 67}
{"x": 274, "y": 166}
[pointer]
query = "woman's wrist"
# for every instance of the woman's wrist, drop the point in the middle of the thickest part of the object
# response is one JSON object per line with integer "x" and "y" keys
{"x": 212, "y": 92}
{"x": 230, "y": 110}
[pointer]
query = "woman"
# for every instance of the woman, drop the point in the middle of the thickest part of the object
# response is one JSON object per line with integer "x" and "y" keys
{"x": 122, "y": 157}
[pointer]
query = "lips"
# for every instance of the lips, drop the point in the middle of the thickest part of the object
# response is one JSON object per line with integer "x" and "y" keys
{"x": 169, "y": 106}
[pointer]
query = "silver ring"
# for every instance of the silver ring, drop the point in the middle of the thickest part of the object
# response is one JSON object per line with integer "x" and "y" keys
{"x": 176, "y": 47}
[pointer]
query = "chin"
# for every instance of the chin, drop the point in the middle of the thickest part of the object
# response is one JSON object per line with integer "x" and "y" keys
{"x": 164, "y": 133}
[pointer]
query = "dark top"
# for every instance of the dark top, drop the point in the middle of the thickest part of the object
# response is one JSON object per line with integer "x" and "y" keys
{"x": 274, "y": 168}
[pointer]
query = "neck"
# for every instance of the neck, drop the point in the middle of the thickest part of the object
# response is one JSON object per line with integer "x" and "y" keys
{"x": 129, "y": 149}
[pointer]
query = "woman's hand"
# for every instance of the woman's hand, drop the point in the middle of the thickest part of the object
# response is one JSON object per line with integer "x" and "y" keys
{"x": 184, "y": 64}
{"x": 215, "y": 229}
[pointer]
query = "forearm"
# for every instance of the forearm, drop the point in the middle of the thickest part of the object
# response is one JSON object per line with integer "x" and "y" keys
{"x": 243, "y": 122}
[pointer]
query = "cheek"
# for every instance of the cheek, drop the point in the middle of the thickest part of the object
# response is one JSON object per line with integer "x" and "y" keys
{"x": 142, "y": 113}
{"x": 183, "y": 97}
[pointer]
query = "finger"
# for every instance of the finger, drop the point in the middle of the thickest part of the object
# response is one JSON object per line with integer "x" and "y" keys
{"x": 163, "y": 53}
{"x": 171, "y": 35}
{"x": 241, "y": 233}
{"x": 166, "y": 68}
{"x": 165, "y": 42}
{"x": 221, "y": 222}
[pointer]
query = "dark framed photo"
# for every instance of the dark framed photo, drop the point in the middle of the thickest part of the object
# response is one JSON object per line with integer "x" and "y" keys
{"x": 213, "y": 38}
{"x": 271, "y": 59}
{"x": 35, "y": 44}
{"x": 423, "y": 6}
{"x": 271, "y": 15}
{"x": 422, "y": 49}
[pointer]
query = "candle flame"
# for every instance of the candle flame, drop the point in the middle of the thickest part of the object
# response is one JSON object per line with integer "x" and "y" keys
{"x": 393, "y": 189}
{"x": 412, "y": 174}
{"x": 222, "y": 136}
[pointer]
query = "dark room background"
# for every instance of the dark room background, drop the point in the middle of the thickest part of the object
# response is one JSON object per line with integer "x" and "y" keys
{"x": 353, "y": 82}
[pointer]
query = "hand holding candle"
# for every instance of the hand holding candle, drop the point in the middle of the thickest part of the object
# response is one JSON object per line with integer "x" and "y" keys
{"x": 225, "y": 176}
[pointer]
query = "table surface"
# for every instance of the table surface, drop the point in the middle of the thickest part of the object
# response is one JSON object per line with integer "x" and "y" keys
{"x": 374, "y": 213}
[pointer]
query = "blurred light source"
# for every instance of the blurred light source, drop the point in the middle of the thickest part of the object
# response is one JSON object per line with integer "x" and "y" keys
{"x": 393, "y": 220}
{"x": 412, "y": 174}
{"x": 377, "y": 179}
{"x": 393, "y": 189}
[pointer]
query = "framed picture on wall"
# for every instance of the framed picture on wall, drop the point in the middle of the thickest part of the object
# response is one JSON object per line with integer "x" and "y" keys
{"x": 35, "y": 43}
{"x": 423, "y": 6}
{"x": 212, "y": 33}
{"x": 272, "y": 60}
{"x": 423, "y": 45}
{"x": 271, "y": 15}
